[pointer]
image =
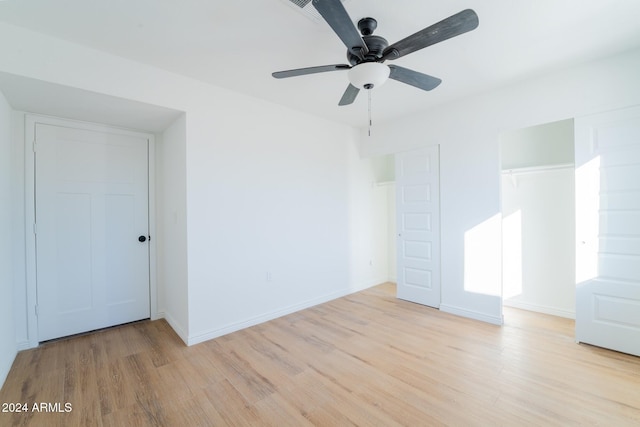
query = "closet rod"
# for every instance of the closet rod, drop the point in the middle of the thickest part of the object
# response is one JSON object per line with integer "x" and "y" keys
{"x": 536, "y": 169}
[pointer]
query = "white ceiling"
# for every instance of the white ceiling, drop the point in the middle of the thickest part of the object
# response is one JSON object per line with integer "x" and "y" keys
{"x": 238, "y": 44}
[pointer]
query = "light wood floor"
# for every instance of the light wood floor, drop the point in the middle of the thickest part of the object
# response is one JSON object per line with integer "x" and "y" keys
{"x": 365, "y": 359}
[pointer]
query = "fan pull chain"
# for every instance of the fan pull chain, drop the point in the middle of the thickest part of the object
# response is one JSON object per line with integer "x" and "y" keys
{"x": 370, "y": 122}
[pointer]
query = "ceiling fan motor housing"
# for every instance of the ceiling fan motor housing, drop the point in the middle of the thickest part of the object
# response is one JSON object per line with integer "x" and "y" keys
{"x": 375, "y": 44}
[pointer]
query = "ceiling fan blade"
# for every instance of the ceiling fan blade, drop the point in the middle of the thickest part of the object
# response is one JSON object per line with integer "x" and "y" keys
{"x": 452, "y": 26}
{"x": 349, "y": 95}
{"x": 309, "y": 70}
{"x": 414, "y": 78}
{"x": 338, "y": 19}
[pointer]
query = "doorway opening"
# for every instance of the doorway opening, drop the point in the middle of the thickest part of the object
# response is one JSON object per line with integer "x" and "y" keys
{"x": 538, "y": 218}
{"x": 385, "y": 184}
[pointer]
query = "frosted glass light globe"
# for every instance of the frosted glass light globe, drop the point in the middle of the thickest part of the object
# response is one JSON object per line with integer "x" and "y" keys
{"x": 369, "y": 75}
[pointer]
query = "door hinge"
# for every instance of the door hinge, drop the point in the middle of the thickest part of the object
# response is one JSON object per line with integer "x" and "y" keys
{"x": 35, "y": 228}
{"x": 37, "y": 311}
{"x": 33, "y": 146}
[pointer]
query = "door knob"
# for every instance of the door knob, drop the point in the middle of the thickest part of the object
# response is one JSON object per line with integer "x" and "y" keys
{"x": 142, "y": 239}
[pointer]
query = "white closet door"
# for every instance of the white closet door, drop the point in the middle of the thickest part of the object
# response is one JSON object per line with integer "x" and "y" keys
{"x": 418, "y": 226}
{"x": 608, "y": 230}
{"x": 91, "y": 229}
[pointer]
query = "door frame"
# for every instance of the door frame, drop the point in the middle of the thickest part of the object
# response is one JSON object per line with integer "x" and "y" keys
{"x": 30, "y": 122}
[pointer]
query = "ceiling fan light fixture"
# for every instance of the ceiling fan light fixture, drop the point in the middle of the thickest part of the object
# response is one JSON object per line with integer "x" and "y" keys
{"x": 368, "y": 75}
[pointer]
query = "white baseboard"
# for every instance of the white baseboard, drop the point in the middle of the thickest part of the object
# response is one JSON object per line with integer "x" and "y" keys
{"x": 25, "y": 345}
{"x": 176, "y": 327}
{"x": 476, "y": 315}
{"x": 366, "y": 285}
{"x": 218, "y": 332}
{"x": 541, "y": 309}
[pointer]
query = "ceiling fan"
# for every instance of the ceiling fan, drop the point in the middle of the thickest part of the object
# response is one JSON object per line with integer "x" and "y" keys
{"x": 367, "y": 53}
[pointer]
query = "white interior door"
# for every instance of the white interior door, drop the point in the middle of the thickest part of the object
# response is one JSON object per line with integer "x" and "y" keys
{"x": 608, "y": 230}
{"x": 91, "y": 213}
{"x": 418, "y": 226}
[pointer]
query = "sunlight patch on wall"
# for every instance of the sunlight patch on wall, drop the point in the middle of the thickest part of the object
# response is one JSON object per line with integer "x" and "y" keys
{"x": 512, "y": 255}
{"x": 588, "y": 220}
{"x": 482, "y": 257}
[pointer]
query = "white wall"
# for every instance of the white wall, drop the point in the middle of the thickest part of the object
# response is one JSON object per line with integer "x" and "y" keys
{"x": 8, "y": 346}
{"x": 468, "y": 133}
{"x": 266, "y": 190}
{"x": 18, "y": 225}
{"x": 171, "y": 188}
{"x": 279, "y": 216}
{"x": 542, "y": 145}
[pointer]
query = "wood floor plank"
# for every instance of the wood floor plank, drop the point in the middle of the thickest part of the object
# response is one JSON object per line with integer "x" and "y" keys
{"x": 194, "y": 412}
{"x": 276, "y": 410}
{"x": 367, "y": 359}
{"x": 234, "y": 409}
